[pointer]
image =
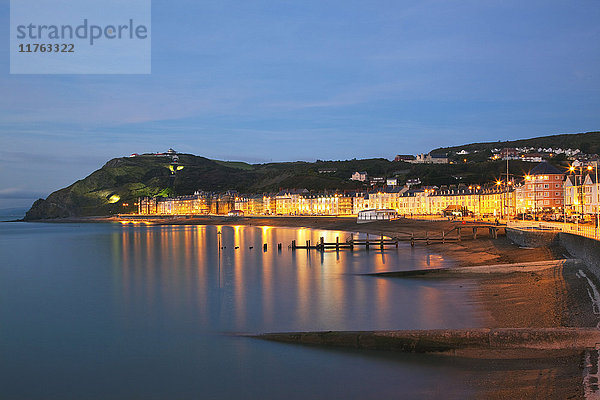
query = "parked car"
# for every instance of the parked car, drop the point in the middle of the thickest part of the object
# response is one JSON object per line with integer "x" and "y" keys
{"x": 575, "y": 218}
{"x": 522, "y": 216}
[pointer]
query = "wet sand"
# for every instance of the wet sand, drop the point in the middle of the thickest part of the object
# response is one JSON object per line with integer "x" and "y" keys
{"x": 549, "y": 298}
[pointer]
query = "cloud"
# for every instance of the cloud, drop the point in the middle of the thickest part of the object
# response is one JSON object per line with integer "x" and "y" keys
{"x": 18, "y": 193}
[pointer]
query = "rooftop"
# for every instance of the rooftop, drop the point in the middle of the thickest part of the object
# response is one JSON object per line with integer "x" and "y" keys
{"x": 546, "y": 169}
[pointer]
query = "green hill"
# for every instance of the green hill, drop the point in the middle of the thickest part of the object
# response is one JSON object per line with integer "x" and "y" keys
{"x": 116, "y": 186}
{"x": 588, "y": 143}
{"x": 122, "y": 180}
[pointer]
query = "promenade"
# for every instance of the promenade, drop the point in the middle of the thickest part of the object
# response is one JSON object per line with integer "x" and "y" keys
{"x": 587, "y": 230}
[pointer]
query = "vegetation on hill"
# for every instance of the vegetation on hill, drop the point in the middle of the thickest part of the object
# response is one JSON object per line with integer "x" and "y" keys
{"x": 116, "y": 186}
{"x": 588, "y": 143}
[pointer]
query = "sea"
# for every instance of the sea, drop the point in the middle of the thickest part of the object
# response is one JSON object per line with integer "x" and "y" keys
{"x": 124, "y": 311}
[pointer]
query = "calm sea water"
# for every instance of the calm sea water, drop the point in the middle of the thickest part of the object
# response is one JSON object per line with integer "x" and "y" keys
{"x": 105, "y": 311}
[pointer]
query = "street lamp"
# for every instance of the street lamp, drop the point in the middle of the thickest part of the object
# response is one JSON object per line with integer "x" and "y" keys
{"x": 595, "y": 187}
{"x": 578, "y": 187}
{"x": 508, "y": 201}
{"x": 498, "y": 185}
{"x": 532, "y": 178}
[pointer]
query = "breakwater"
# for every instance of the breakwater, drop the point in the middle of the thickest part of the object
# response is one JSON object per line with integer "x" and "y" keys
{"x": 476, "y": 343}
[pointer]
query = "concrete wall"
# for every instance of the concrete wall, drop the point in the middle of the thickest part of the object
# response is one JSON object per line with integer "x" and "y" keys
{"x": 583, "y": 248}
{"x": 532, "y": 237}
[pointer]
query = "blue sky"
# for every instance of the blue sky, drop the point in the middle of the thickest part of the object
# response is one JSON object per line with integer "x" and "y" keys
{"x": 304, "y": 80}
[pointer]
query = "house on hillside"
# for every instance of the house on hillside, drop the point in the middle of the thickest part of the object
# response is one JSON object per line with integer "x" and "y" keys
{"x": 404, "y": 157}
{"x": 532, "y": 157}
{"x": 361, "y": 176}
{"x": 413, "y": 182}
{"x": 431, "y": 159}
{"x": 509, "y": 154}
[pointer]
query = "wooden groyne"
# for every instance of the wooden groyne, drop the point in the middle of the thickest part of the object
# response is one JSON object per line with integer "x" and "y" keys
{"x": 453, "y": 235}
{"x": 476, "y": 343}
{"x": 350, "y": 243}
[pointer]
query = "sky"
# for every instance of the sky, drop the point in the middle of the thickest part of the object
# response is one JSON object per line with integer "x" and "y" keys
{"x": 262, "y": 81}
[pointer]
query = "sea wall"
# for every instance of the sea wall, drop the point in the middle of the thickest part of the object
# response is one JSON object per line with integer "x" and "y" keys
{"x": 477, "y": 343}
{"x": 583, "y": 248}
{"x": 532, "y": 237}
{"x": 580, "y": 247}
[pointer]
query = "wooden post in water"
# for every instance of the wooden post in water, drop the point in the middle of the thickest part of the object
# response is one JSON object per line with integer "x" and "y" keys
{"x": 279, "y": 246}
{"x": 367, "y": 242}
{"x": 412, "y": 239}
{"x": 443, "y": 237}
{"x": 293, "y": 244}
{"x": 381, "y": 244}
{"x": 474, "y": 233}
{"x": 337, "y": 243}
{"x": 322, "y": 243}
{"x": 265, "y": 247}
{"x": 308, "y": 244}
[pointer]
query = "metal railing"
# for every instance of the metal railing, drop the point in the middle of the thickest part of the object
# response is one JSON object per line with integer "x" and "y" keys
{"x": 589, "y": 231}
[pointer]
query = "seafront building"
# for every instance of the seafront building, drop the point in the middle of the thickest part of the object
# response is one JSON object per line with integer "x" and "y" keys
{"x": 543, "y": 192}
{"x": 424, "y": 201}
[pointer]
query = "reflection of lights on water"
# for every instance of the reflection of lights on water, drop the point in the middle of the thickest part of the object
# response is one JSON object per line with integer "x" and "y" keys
{"x": 177, "y": 266}
{"x": 131, "y": 222}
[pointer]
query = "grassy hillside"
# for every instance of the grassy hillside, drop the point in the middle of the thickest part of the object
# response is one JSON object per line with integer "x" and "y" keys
{"x": 117, "y": 185}
{"x": 122, "y": 180}
{"x": 586, "y": 142}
